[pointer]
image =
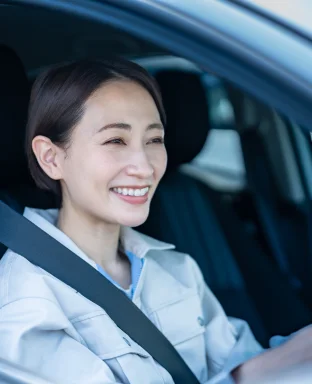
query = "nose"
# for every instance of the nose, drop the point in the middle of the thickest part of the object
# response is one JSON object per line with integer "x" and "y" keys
{"x": 140, "y": 166}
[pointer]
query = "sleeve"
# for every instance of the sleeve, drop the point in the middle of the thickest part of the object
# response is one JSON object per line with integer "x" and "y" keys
{"x": 14, "y": 374}
{"x": 229, "y": 341}
{"x": 36, "y": 335}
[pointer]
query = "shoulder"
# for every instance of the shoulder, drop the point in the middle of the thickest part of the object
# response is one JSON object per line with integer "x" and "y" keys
{"x": 20, "y": 279}
{"x": 145, "y": 246}
{"x": 163, "y": 258}
{"x": 174, "y": 261}
{"x": 178, "y": 268}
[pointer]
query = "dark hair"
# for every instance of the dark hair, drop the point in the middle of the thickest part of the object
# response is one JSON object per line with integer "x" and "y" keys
{"x": 58, "y": 98}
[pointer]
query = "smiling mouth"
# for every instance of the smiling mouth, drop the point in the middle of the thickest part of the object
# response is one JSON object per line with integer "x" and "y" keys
{"x": 133, "y": 196}
{"x": 135, "y": 192}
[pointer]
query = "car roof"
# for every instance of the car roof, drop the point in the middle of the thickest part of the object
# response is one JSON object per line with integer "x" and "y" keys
{"x": 293, "y": 14}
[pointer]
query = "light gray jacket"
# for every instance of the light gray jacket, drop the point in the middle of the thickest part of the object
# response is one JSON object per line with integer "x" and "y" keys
{"x": 48, "y": 328}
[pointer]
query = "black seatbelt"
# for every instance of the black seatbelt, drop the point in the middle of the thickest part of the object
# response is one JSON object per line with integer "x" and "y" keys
{"x": 25, "y": 238}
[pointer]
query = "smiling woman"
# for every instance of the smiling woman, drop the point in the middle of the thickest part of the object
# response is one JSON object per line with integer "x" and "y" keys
{"x": 89, "y": 142}
{"x": 99, "y": 144}
{"x": 95, "y": 137}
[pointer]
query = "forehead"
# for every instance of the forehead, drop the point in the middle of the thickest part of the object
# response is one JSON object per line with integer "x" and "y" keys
{"x": 122, "y": 99}
{"x": 117, "y": 102}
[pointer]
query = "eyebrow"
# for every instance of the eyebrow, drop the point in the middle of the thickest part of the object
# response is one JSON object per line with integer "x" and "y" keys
{"x": 128, "y": 127}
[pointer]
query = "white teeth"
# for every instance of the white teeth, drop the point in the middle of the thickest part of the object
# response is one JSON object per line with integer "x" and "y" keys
{"x": 132, "y": 192}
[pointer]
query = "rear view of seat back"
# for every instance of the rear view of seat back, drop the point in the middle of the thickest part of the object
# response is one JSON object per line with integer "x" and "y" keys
{"x": 14, "y": 97}
{"x": 274, "y": 181}
{"x": 16, "y": 186}
{"x": 189, "y": 214}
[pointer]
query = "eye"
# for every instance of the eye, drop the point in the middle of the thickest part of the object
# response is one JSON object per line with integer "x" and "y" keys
{"x": 156, "y": 140}
{"x": 115, "y": 141}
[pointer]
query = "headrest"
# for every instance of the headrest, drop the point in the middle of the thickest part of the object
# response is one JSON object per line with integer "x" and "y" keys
{"x": 14, "y": 97}
{"x": 185, "y": 102}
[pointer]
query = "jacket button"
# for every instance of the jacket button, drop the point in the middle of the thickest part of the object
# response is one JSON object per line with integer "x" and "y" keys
{"x": 127, "y": 341}
{"x": 200, "y": 321}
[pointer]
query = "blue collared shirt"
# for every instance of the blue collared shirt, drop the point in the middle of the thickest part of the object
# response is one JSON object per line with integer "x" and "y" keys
{"x": 136, "y": 268}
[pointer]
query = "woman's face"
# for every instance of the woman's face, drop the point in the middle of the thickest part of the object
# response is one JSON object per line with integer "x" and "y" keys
{"x": 116, "y": 155}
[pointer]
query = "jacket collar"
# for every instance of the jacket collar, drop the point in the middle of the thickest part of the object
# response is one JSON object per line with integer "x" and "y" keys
{"x": 140, "y": 244}
{"x": 131, "y": 240}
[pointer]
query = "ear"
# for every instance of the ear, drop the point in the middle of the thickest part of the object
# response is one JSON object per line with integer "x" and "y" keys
{"x": 49, "y": 156}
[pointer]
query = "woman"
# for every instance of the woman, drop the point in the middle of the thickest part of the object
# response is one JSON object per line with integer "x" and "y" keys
{"x": 95, "y": 137}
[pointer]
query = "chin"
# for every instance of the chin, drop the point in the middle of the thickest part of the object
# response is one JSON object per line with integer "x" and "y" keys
{"x": 133, "y": 220}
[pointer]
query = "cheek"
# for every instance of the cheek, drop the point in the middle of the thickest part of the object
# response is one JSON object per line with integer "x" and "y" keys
{"x": 76, "y": 176}
{"x": 101, "y": 167}
{"x": 85, "y": 168}
{"x": 158, "y": 159}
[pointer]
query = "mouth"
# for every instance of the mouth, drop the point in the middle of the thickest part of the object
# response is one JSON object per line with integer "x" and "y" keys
{"x": 132, "y": 195}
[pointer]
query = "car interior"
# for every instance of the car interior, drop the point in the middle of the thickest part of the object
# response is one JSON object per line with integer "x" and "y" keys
{"x": 247, "y": 226}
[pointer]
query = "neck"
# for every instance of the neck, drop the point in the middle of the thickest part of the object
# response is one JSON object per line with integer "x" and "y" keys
{"x": 97, "y": 239}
